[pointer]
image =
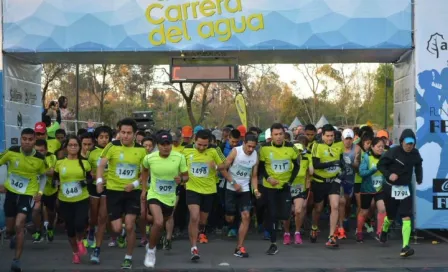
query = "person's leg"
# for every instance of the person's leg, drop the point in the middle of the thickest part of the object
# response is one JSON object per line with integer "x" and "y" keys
{"x": 80, "y": 216}
{"x": 37, "y": 221}
{"x": 205, "y": 208}
{"x": 299, "y": 215}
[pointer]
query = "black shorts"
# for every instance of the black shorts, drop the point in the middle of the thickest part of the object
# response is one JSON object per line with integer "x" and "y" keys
{"x": 50, "y": 201}
{"x": 299, "y": 194}
{"x": 15, "y": 204}
{"x": 357, "y": 188}
{"x": 92, "y": 191}
{"x": 366, "y": 199}
{"x": 120, "y": 202}
{"x": 237, "y": 202}
{"x": 321, "y": 190}
{"x": 167, "y": 211}
{"x": 394, "y": 207}
{"x": 205, "y": 201}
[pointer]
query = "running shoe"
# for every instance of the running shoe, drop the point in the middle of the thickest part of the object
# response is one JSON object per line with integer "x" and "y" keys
{"x": 203, "y": 238}
{"x": 195, "y": 254}
{"x": 383, "y": 237}
{"x": 406, "y": 252}
{"x": 121, "y": 241}
{"x": 359, "y": 237}
{"x": 95, "y": 256}
{"x": 50, "y": 235}
{"x": 286, "y": 238}
{"x": 332, "y": 242}
{"x": 76, "y": 259}
{"x": 126, "y": 264}
{"x": 168, "y": 244}
{"x": 150, "y": 258}
{"x": 298, "y": 238}
{"x": 15, "y": 266}
{"x": 82, "y": 251}
{"x": 272, "y": 249}
{"x": 241, "y": 252}
{"x": 341, "y": 234}
{"x": 37, "y": 237}
{"x": 112, "y": 243}
{"x": 313, "y": 236}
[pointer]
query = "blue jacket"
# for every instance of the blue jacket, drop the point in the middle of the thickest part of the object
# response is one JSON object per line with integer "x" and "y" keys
{"x": 372, "y": 179}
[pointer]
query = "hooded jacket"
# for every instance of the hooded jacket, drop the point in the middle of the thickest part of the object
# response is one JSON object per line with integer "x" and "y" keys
{"x": 402, "y": 163}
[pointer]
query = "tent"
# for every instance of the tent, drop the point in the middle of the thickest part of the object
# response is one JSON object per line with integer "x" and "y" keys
{"x": 322, "y": 121}
{"x": 295, "y": 123}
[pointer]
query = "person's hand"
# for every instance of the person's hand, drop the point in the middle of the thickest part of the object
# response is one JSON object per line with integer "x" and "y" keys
{"x": 272, "y": 181}
{"x": 99, "y": 188}
{"x": 129, "y": 188}
{"x": 37, "y": 197}
{"x": 237, "y": 187}
{"x": 212, "y": 165}
{"x": 393, "y": 177}
{"x": 178, "y": 180}
{"x": 257, "y": 194}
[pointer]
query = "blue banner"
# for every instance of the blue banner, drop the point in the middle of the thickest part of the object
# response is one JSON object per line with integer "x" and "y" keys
{"x": 142, "y": 25}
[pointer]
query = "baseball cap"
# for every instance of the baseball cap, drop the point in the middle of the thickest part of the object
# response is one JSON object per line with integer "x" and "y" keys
{"x": 409, "y": 140}
{"x": 197, "y": 128}
{"x": 218, "y": 134}
{"x": 242, "y": 129}
{"x": 164, "y": 137}
{"x": 382, "y": 133}
{"x": 187, "y": 131}
{"x": 348, "y": 133}
{"x": 40, "y": 127}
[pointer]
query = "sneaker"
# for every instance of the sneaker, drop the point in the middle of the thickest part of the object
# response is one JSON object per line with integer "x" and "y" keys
{"x": 298, "y": 238}
{"x": 341, "y": 234}
{"x": 15, "y": 266}
{"x": 150, "y": 258}
{"x": 369, "y": 227}
{"x": 406, "y": 252}
{"x": 272, "y": 250}
{"x": 241, "y": 252}
{"x": 112, "y": 243}
{"x": 126, "y": 264}
{"x": 50, "y": 235}
{"x": 12, "y": 242}
{"x": 336, "y": 232}
{"x": 82, "y": 251}
{"x": 266, "y": 235}
{"x": 168, "y": 245}
{"x": 313, "y": 236}
{"x": 195, "y": 254}
{"x": 143, "y": 243}
{"x": 95, "y": 256}
{"x": 359, "y": 237}
{"x": 332, "y": 242}
{"x": 37, "y": 237}
{"x": 203, "y": 238}
{"x": 232, "y": 233}
{"x": 383, "y": 237}
{"x": 286, "y": 238}
{"x": 121, "y": 241}
{"x": 76, "y": 259}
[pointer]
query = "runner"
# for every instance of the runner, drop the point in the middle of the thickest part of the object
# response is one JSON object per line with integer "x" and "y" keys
{"x": 73, "y": 175}
{"x": 168, "y": 169}
{"x": 24, "y": 185}
{"x": 371, "y": 188}
{"x": 203, "y": 161}
{"x": 310, "y": 133}
{"x": 55, "y": 144}
{"x": 124, "y": 157}
{"x": 48, "y": 204}
{"x": 327, "y": 162}
{"x": 87, "y": 141}
{"x": 397, "y": 165}
{"x": 98, "y": 204}
{"x": 279, "y": 168}
{"x": 299, "y": 192}
{"x": 243, "y": 163}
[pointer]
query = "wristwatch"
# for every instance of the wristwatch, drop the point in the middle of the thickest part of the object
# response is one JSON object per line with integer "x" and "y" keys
{"x": 232, "y": 182}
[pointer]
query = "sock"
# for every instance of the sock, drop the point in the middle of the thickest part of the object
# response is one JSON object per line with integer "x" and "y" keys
{"x": 360, "y": 223}
{"x": 386, "y": 224}
{"x": 379, "y": 224}
{"x": 406, "y": 232}
{"x": 128, "y": 257}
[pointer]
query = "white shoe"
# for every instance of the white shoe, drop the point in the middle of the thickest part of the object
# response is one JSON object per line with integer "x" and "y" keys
{"x": 150, "y": 258}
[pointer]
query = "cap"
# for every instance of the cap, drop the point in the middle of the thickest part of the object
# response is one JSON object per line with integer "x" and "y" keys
{"x": 40, "y": 127}
{"x": 187, "y": 131}
{"x": 348, "y": 133}
{"x": 382, "y": 133}
{"x": 197, "y": 128}
{"x": 164, "y": 137}
{"x": 242, "y": 129}
{"x": 409, "y": 140}
{"x": 218, "y": 134}
{"x": 176, "y": 136}
{"x": 267, "y": 134}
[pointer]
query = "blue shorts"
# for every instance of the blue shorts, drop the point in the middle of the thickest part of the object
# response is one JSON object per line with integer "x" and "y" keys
{"x": 347, "y": 188}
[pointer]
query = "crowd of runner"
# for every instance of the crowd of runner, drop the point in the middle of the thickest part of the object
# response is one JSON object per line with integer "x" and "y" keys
{"x": 120, "y": 181}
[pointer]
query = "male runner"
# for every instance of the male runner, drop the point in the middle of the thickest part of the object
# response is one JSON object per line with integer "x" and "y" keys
{"x": 168, "y": 169}
{"x": 327, "y": 163}
{"x": 24, "y": 186}
{"x": 396, "y": 165}
{"x": 203, "y": 160}
{"x": 279, "y": 168}
{"x": 124, "y": 157}
{"x": 243, "y": 163}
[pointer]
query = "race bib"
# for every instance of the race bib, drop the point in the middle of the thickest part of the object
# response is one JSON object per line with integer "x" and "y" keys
{"x": 71, "y": 189}
{"x": 242, "y": 172}
{"x": 165, "y": 187}
{"x": 296, "y": 189}
{"x": 377, "y": 182}
{"x": 280, "y": 166}
{"x": 19, "y": 183}
{"x": 126, "y": 171}
{"x": 400, "y": 192}
{"x": 199, "y": 169}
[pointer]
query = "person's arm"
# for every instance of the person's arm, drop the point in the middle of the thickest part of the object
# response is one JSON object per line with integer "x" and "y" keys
{"x": 357, "y": 161}
{"x": 42, "y": 182}
{"x": 317, "y": 164}
{"x": 419, "y": 171}
{"x": 4, "y": 157}
{"x": 364, "y": 170}
{"x": 384, "y": 163}
{"x": 230, "y": 158}
{"x": 254, "y": 177}
{"x": 295, "y": 171}
{"x": 262, "y": 170}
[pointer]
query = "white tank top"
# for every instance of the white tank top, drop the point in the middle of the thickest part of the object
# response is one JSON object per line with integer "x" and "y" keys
{"x": 241, "y": 169}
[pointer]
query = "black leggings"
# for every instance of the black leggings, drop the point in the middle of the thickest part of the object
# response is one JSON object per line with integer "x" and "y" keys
{"x": 278, "y": 207}
{"x": 75, "y": 215}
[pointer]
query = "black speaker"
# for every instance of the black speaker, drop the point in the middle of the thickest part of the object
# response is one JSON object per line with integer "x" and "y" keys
{"x": 142, "y": 115}
{"x": 144, "y": 124}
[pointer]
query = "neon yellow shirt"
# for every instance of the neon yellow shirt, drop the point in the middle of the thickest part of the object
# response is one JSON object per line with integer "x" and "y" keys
{"x": 71, "y": 175}
{"x": 49, "y": 188}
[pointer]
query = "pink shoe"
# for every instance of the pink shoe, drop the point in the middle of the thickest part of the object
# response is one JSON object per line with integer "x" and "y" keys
{"x": 297, "y": 238}
{"x": 286, "y": 238}
{"x": 82, "y": 251}
{"x": 76, "y": 259}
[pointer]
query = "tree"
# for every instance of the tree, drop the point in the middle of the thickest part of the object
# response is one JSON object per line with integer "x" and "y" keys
{"x": 99, "y": 87}
{"x": 384, "y": 71}
{"x": 50, "y": 72}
